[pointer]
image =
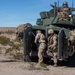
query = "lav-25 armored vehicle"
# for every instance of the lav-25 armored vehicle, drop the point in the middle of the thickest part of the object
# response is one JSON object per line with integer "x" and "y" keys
{"x": 49, "y": 20}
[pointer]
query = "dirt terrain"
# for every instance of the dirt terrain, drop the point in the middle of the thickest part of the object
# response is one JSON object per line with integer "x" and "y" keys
{"x": 19, "y": 67}
{"x": 12, "y": 67}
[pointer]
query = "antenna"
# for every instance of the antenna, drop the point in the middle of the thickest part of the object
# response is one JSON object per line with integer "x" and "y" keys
{"x": 58, "y": 3}
{"x": 72, "y": 3}
{"x": 72, "y": 6}
{"x": 72, "y": 9}
{"x": 55, "y": 9}
{"x": 58, "y": 6}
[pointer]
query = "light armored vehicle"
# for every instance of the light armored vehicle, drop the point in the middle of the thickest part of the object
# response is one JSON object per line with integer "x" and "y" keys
{"x": 62, "y": 28}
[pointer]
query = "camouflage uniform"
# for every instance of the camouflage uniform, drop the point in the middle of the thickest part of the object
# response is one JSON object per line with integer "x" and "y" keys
{"x": 64, "y": 12}
{"x": 71, "y": 43}
{"x": 63, "y": 15}
{"x": 40, "y": 38}
{"x": 52, "y": 46}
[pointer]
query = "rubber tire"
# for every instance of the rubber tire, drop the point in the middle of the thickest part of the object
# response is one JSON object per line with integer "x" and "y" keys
{"x": 71, "y": 61}
{"x": 27, "y": 58}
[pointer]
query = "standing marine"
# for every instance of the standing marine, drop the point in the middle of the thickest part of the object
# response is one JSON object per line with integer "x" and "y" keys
{"x": 52, "y": 45}
{"x": 41, "y": 43}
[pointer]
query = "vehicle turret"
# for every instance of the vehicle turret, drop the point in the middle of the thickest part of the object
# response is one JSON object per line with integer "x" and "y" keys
{"x": 51, "y": 18}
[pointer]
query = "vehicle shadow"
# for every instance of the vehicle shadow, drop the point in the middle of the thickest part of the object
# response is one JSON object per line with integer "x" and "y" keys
{"x": 48, "y": 61}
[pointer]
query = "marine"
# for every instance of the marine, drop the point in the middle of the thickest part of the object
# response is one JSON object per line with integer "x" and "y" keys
{"x": 63, "y": 12}
{"x": 40, "y": 40}
{"x": 71, "y": 42}
{"x": 52, "y": 45}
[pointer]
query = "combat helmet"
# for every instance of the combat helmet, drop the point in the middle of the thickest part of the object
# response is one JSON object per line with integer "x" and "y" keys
{"x": 65, "y": 4}
{"x": 38, "y": 31}
{"x": 50, "y": 31}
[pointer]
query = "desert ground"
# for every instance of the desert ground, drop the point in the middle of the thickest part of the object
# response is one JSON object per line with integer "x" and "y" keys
{"x": 12, "y": 67}
{"x": 19, "y": 67}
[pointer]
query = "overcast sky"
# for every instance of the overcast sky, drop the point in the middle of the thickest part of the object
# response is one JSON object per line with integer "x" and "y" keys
{"x": 15, "y": 12}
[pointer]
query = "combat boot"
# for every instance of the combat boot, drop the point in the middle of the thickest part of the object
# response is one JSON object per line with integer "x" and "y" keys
{"x": 41, "y": 65}
{"x": 55, "y": 65}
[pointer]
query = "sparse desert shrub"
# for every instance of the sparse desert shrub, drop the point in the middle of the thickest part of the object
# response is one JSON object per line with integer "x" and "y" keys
{"x": 16, "y": 47}
{"x": 15, "y": 51}
{"x": 5, "y": 41}
{"x": 11, "y": 43}
{"x": 20, "y": 42}
{"x": 8, "y": 50}
{"x": 17, "y": 40}
{"x": 18, "y": 55}
{"x": 10, "y": 32}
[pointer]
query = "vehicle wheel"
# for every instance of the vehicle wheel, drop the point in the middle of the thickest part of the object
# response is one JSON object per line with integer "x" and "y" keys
{"x": 27, "y": 58}
{"x": 71, "y": 61}
{"x": 71, "y": 51}
{"x": 27, "y": 42}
